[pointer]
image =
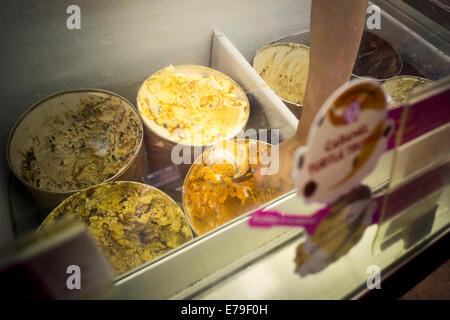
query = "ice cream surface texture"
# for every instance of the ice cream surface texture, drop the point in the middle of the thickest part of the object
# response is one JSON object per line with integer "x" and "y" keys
{"x": 284, "y": 67}
{"x": 192, "y": 105}
{"x": 78, "y": 146}
{"x": 401, "y": 88}
{"x": 132, "y": 223}
{"x": 211, "y": 193}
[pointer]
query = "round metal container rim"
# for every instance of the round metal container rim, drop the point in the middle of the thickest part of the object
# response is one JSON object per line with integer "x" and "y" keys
{"x": 50, "y": 96}
{"x": 189, "y": 172}
{"x": 110, "y": 183}
{"x": 241, "y": 127}
{"x": 281, "y": 42}
{"x": 405, "y": 76}
{"x": 273, "y": 44}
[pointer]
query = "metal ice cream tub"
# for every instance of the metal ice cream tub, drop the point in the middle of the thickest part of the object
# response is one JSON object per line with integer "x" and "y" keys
{"x": 399, "y": 89}
{"x": 161, "y": 99}
{"x": 220, "y": 185}
{"x": 284, "y": 66}
{"x": 76, "y": 139}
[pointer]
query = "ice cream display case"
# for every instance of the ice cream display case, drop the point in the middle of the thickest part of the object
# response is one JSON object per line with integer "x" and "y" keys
{"x": 140, "y": 126}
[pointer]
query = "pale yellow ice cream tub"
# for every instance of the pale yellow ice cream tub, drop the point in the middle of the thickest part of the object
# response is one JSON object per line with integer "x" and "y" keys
{"x": 189, "y": 105}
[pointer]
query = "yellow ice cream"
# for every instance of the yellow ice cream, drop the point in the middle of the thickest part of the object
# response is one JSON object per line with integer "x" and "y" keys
{"x": 192, "y": 108}
{"x": 132, "y": 223}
